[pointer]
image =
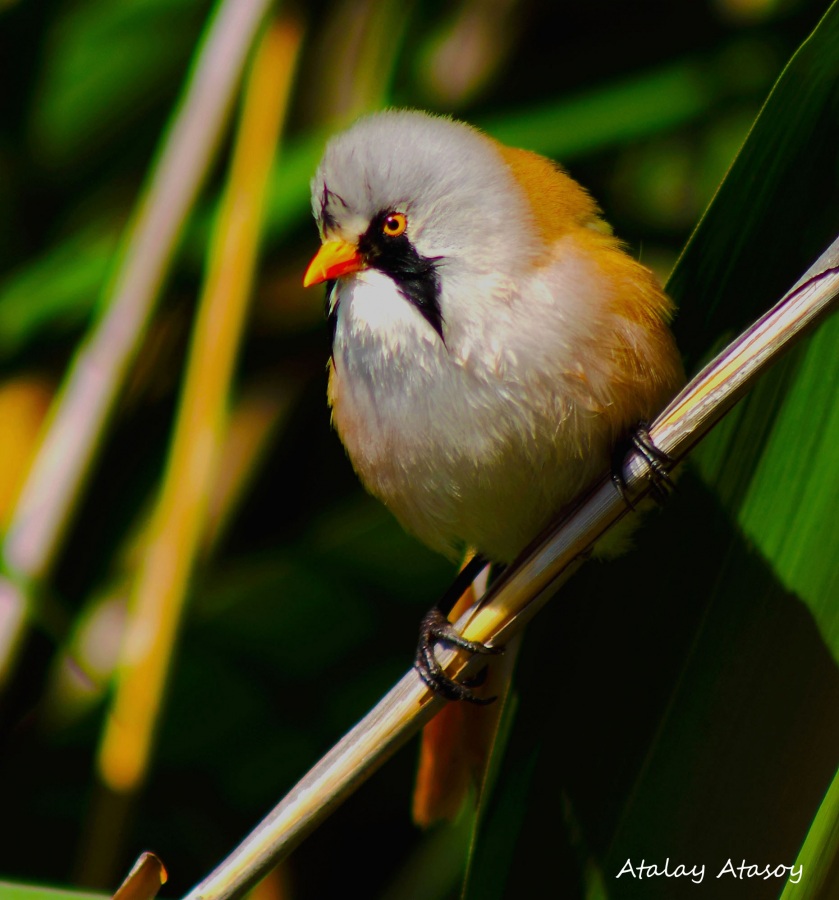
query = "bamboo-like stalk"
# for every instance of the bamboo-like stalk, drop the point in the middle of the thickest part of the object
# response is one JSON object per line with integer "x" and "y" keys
{"x": 528, "y": 584}
{"x": 144, "y": 881}
{"x": 81, "y": 412}
{"x": 177, "y": 523}
{"x": 173, "y": 540}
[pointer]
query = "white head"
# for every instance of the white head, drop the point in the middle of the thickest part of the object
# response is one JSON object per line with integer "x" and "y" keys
{"x": 427, "y": 201}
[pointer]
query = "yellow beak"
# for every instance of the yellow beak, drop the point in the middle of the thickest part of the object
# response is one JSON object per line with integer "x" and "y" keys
{"x": 334, "y": 259}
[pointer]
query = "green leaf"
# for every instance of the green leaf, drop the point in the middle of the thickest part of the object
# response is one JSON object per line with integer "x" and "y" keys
{"x": 9, "y": 891}
{"x": 819, "y": 851}
{"x": 784, "y": 488}
{"x": 775, "y": 211}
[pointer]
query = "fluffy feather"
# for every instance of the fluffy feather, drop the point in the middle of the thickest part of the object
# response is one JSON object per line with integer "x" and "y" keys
{"x": 555, "y": 341}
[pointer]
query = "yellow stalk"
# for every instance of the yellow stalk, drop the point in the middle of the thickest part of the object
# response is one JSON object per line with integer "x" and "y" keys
{"x": 162, "y": 579}
{"x": 80, "y": 414}
{"x": 145, "y": 879}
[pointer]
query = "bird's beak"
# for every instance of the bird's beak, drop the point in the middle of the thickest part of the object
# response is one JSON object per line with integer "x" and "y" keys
{"x": 334, "y": 259}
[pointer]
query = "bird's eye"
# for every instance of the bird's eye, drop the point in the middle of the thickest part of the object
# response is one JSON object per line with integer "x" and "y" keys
{"x": 394, "y": 225}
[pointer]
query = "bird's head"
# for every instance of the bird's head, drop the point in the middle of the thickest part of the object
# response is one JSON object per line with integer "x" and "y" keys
{"x": 427, "y": 201}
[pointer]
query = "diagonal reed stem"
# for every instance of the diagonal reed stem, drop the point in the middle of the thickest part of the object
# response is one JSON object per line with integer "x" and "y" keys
{"x": 528, "y": 584}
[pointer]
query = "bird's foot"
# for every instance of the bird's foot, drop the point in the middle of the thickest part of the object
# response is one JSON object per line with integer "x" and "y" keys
{"x": 658, "y": 463}
{"x": 436, "y": 629}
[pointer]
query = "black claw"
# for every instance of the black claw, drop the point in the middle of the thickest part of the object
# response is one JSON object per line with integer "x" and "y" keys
{"x": 436, "y": 629}
{"x": 452, "y": 690}
{"x": 658, "y": 463}
{"x": 476, "y": 680}
{"x": 620, "y": 486}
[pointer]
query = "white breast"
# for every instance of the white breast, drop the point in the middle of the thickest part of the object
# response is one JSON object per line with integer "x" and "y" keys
{"x": 470, "y": 443}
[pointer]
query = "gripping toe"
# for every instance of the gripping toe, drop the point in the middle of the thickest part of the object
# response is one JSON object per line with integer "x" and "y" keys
{"x": 436, "y": 629}
{"x": 658, "y": 465}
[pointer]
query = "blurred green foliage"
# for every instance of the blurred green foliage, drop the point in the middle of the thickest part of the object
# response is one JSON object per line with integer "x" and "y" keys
{"x": 306, "y": 611}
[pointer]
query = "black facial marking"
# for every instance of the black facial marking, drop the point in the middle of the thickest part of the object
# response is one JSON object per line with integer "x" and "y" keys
{"x": 331, "y": 315}
{"x": 415, "y": 276}
{"x": 327, "y": 219}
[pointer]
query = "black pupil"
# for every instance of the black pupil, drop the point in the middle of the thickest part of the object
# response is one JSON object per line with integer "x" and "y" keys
{"x": 391, "y": 223}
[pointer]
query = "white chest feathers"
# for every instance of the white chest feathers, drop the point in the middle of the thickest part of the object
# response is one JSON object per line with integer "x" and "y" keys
{"x": 472, "y": 442}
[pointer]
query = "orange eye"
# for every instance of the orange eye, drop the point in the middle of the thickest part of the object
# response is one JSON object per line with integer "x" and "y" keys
{"x": 394, "y": 225}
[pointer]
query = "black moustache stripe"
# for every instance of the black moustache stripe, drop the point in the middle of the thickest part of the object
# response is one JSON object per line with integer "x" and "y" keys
{"x": 331, "y": 316}
{"x": 421, "y": 286}
{"x": 415, "y": 276}
{"x": 327, "y": 218}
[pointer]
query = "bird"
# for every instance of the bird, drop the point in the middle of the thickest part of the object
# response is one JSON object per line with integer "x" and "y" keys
{"x": 492, "y": 342}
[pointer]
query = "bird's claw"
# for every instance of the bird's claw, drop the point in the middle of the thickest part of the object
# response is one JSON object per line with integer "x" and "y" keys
{"x": 436, "y": 629}
{"x": 658, "y": 464}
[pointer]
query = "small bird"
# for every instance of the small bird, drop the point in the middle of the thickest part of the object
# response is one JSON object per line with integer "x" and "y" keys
{"x": 492, "y": 342}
